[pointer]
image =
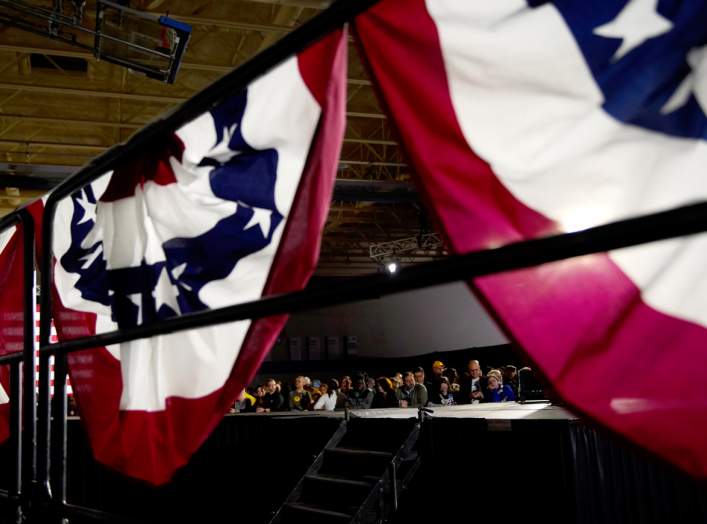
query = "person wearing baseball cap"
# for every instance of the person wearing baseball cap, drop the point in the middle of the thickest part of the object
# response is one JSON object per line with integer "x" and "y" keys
{"x": 435, "y": 379}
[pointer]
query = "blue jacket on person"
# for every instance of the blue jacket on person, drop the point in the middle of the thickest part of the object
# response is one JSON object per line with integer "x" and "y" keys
{"x": 503, "y": 394}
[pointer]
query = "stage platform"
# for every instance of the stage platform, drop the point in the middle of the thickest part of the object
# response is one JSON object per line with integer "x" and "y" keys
{"x": 523, "y": 462}
{"x": 496, "y": 411}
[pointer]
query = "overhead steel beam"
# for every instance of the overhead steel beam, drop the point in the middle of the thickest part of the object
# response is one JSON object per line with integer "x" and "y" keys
{"x": 69, "y": 121}
{"x": 229, "y": 24}
{"x": 60, "y": 145}
{"x": 220, "y": 23}
{"x": 214, "y": 68}
{"x": 44, "y": 170}
{"x": 370, "y": 141}
{"x": 95, "y": 93}
{"x": 127, "y": 125}
{"x": 92, "y": 93}
{"x": 311, "y": 4}
{"x": 46, "y": 176}
{"x": 383, "y": 191}
{"x": 376, "y": 163}
{"x": 355, "y": 114}
{"x": 99, "y": 123}
{"x": 91, "y": 150}
{"x": 26, "y": 182}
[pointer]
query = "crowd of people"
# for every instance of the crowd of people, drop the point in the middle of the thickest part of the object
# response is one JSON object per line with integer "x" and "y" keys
{"x": 412, "y": 389}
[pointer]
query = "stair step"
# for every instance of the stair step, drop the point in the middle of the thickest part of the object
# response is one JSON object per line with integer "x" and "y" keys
{"x": 355, "y": 463}
{"x": 362, "y": 452}
{"x": 335, "y": 493}
{"x": 342, "y": 481}
{"x": 298, "y": 513}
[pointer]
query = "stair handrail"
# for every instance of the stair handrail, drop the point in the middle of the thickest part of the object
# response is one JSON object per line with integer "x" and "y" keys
{"x": 313, "y": 468}
{"x": 389, "y": 478}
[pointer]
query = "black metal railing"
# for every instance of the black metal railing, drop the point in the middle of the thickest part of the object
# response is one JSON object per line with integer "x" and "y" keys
{"x": 39, "y": 484}
{"x": 313, "y": 468}
{"x": 383, "y": 500}
{"x": 22, "y": 419}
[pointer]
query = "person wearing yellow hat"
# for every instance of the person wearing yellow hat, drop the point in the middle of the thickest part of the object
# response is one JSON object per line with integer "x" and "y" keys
{"x": 434, "y": 382}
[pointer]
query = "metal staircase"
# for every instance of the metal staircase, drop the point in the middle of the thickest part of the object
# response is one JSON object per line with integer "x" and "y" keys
{"x": 358, "y": 476}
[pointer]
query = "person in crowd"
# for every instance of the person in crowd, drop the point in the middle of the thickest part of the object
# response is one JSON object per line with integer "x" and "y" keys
{"x": 259, "y": 395}
{"x": 473, "y": 385}
{"x": 327, "y": 400}
{"x": 360, "y": 397}
{"x": 495, "y": 372}
{"x": 272, "y": 400}
{"x": 510, "y": 378}
{"x": 496, "y": 391}
{"x": 345, "y": 385}
{"x": 300, "y": 398}
{"x": 316, "y": 390}
{"x": 434, "y": 381}
{"x": 445, "y": 395}
{"x": 453, "y": 377}
{"x": 398, "y": 380}
{"x": 394, "y": 382}
{"x": 412, "y": 394}
{"x": 385, "y": 394}
{"x": 284, "y": 391}
{"x": 419, "y": 376}
{"x": 245, "y": 403}
{"x": 371, "y": 385}
{"x": 438, "y": 369}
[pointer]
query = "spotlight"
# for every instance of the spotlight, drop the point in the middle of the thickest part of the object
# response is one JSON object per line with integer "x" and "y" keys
{"x": 391, "y": 267}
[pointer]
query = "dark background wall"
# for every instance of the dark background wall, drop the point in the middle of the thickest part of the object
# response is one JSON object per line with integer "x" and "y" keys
{"x": 435, "y": 319}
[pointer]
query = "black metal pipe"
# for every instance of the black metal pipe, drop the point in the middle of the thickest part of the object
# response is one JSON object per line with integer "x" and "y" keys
{"x": 10, "y": 220}
{"x": 6, "y": 495}
{"x": 16, "y": 427}
{"x": 10, "y": 358}
{"x": 29, "y": 413}
{"x": 43, "y": 413}
{"x": 58, "y": 432}
{"x": 82, "y": 512}
{"x": 681, "y": 221}
{"x": 5, "y": 223}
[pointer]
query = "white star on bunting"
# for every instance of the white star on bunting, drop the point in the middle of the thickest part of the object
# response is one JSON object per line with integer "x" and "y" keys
{"x": 4, "y": 399}
{"x": 695, "y": 82}
{"x": 637, "y": 22}
{"x": 165, "y": 292}
{"x": 261, "y": 217}
{"x": 89, "y": 208}
{"x": 221, "y": 152}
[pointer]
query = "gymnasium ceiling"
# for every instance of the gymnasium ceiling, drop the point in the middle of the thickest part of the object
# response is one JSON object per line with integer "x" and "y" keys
{"x": 53, "y": 120}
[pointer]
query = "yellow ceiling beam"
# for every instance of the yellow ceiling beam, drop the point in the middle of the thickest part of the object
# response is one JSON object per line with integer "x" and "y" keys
{"x": 214, "y": 68}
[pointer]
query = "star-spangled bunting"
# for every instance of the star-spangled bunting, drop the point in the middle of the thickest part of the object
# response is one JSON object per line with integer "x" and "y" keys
{"x": 623, "y": 40}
